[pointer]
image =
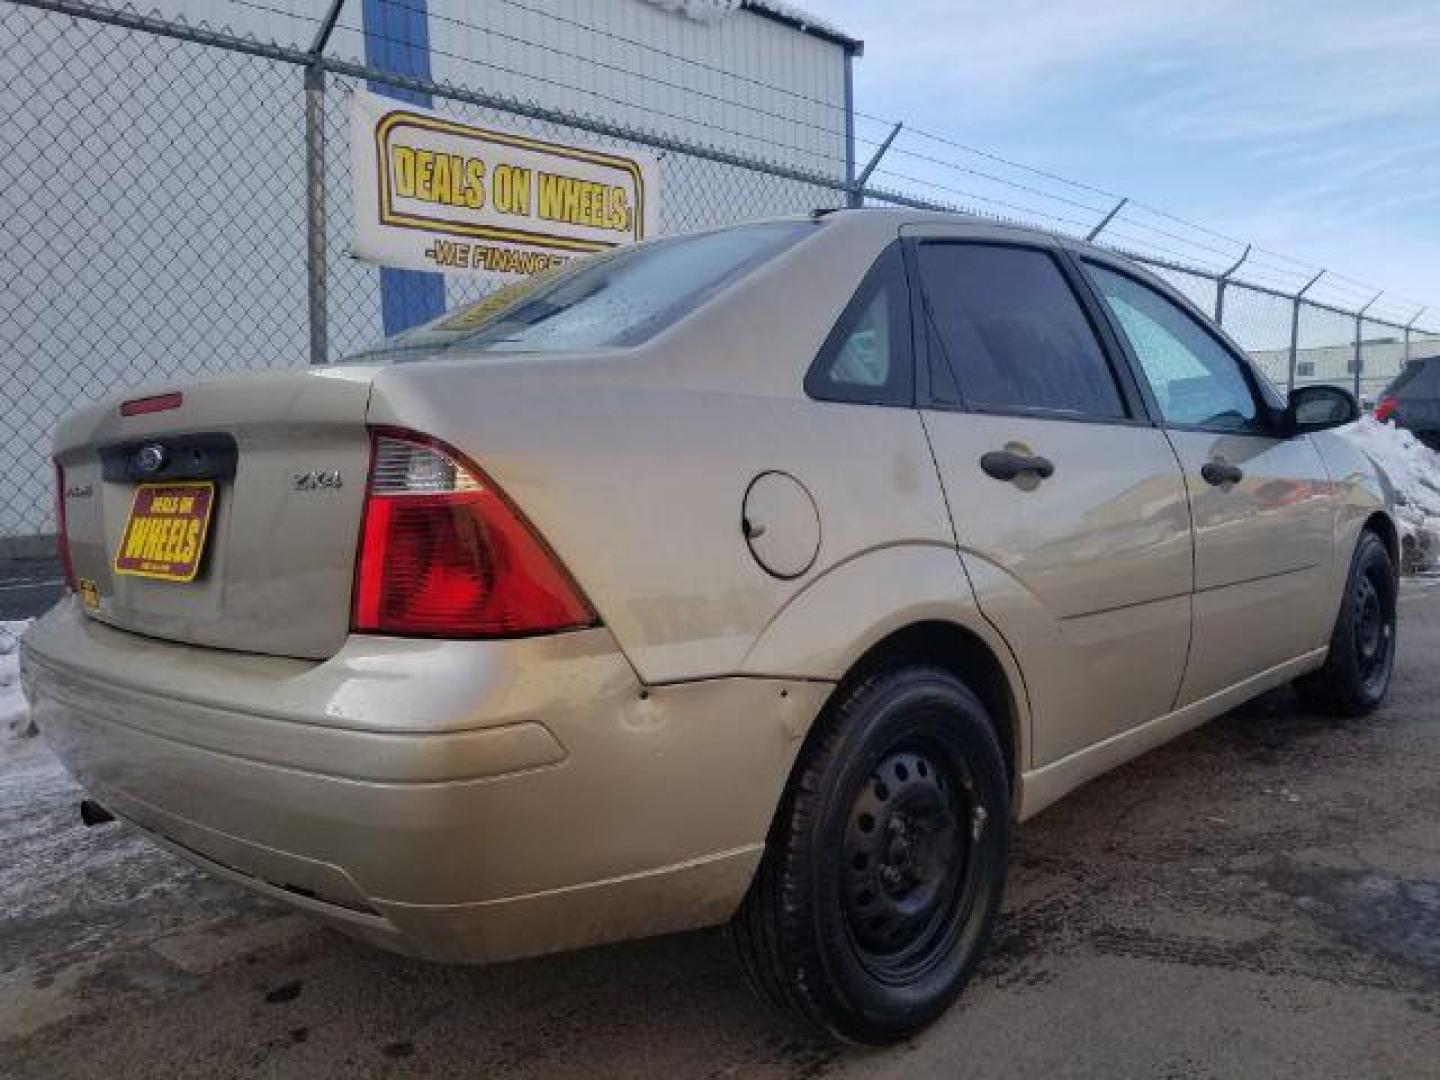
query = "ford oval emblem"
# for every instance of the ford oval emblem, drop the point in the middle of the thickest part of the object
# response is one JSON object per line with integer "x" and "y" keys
{"x": 151, "y": 458}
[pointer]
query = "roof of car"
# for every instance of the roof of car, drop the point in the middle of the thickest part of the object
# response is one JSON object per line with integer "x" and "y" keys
{"x": 907, "y": 216}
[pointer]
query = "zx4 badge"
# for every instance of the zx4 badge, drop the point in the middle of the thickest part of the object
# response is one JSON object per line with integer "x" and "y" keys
{"x": 316, "y": 480}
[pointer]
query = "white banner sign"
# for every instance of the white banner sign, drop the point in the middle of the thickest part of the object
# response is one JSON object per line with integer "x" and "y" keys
{"x": 434, "y": 193}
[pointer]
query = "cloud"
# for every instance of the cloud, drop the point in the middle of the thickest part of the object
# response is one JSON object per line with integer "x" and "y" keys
{"x": 1310, "y": 126}
{"x": 1206, "y": 71}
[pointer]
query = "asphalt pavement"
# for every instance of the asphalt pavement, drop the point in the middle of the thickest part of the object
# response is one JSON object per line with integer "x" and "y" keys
{"x": 28, "y": 585}
{"x": 1260, "y": 898}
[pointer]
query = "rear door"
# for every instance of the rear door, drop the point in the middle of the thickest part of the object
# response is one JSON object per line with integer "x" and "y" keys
{"x": 1262, "y": 504}
{"x": 1068, "y": 504}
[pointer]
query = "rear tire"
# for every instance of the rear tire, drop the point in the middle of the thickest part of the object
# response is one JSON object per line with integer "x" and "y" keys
{"x": 887, "y": 862}
{"x": 1357, "y": 671}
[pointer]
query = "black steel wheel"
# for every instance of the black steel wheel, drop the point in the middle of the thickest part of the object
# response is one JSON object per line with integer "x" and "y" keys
{"x": 906, "y": 853}
{"x": 1373, "y": 630}
{"x": 887, "y": 862}
{"x": 1356, "y": 674}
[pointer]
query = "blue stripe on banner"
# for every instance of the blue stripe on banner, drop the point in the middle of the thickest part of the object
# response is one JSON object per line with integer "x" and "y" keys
{"x": 397, "y": 39}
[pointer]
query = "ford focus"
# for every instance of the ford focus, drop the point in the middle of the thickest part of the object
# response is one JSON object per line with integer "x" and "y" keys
{"x": 768, "y": 576}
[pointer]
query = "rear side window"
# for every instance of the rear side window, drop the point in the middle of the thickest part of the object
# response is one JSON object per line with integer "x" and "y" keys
{"x": 1013, "y": 333}
{"x": 867, "y": 358}
{"x": 619, "y": 298}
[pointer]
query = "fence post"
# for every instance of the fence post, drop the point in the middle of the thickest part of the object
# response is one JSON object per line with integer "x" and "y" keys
{"x": 1408, "y": 327}
{"x": 849, "y": 127}
{"x": 1223, "y": 281}
{"x": 316, "y": 270}
{"x": 857, "y": 188}
{"x": 1098, "y": 229}
{"x": 1295, "y": 330}
{"x": 1359, "y": 358}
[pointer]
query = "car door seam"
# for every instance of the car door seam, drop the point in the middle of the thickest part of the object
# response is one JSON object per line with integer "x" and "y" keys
{"x": 1029, "y": 734}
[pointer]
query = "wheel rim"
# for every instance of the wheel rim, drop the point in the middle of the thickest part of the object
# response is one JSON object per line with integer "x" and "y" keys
{"x": 909, "y": 860}
{"x": 1374, "y": 630}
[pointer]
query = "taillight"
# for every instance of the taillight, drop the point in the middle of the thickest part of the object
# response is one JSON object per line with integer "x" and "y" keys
{"x": 62, "y": 532}
{"x": 444, "y": 554}
{"x": 1386, "y": 408}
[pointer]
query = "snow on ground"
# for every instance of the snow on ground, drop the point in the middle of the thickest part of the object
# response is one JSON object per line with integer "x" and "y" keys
{"x": 14, "y": 713}
{"x": 1414, "y": 469}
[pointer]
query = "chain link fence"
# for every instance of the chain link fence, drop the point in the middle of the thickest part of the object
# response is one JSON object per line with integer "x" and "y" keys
{"x": 161, "y": 180}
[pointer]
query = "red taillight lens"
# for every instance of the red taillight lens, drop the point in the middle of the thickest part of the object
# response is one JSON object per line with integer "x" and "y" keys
{"x": 62, "y": 532}
{"x": 1386, "y": 408}
{"x": 444, "y": 554}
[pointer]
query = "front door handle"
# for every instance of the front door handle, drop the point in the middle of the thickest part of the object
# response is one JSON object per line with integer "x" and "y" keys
{"x": 1217, "y": 473}
{"x": 1005, "y": 465}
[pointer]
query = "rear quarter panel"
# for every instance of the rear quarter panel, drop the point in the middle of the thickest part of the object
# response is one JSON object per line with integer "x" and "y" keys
{"x": 634, "y": 464}
{"x": 1362, "y": 490}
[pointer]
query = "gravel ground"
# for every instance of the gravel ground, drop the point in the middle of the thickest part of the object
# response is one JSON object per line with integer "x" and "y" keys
{"x": 1260, "y": 898}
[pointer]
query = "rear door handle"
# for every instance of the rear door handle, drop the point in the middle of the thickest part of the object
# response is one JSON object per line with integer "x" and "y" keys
{"x": 1217, "y": 473}
{"x": 1005, "y": 465}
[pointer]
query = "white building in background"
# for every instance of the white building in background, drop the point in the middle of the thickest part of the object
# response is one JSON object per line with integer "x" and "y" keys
{"x": 176, "y": 243}
{"x": 1381, "y": 359}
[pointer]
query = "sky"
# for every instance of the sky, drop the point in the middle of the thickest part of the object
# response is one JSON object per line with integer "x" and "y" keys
{"x": 1309, "y": 127}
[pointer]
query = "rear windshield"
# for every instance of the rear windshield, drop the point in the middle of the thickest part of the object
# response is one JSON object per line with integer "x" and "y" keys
{"x": 620, "y": 298}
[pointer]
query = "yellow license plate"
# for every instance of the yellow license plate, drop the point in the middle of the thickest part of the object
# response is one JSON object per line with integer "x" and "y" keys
{"x": 165, "y": 534}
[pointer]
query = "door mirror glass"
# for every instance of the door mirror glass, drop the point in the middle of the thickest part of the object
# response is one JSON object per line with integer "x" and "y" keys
{"x": 1315, "y": 408}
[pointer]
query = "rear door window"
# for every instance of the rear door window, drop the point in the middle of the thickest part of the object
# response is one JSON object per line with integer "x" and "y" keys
{"x": 1013, "y": 333}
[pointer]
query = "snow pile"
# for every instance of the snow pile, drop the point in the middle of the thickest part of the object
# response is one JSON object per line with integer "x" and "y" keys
{"x": 14, "y": 712}
{"x": 712, "y": 11}
{"x": 706, "y": 11}
{"x": 1414, "y": 469}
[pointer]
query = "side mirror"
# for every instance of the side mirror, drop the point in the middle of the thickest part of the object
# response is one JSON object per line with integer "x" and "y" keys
{"x": 1316, "y": 408}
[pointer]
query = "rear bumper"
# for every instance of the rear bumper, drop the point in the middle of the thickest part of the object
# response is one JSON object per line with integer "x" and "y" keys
{"x": 454, "y": 800}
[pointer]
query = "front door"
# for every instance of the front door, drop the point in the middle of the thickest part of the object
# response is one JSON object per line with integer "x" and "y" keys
{"x": 1068, "y": 504}
{"x": 1262, "y": 504}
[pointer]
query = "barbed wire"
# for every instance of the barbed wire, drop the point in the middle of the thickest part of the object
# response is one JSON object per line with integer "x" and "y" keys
{"x": 1276, "y": 268}
{"x": 948, "y": 189}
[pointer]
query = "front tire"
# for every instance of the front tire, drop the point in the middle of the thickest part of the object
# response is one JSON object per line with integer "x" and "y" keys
{"x": 1357, "y": 671}
{"x": 887, "y": 862}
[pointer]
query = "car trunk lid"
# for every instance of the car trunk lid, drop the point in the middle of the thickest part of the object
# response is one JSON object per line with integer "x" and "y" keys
{"x": 280, "y": 458}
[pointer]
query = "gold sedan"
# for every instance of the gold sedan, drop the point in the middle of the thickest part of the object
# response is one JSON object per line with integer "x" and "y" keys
{"x": 766, "y": 576}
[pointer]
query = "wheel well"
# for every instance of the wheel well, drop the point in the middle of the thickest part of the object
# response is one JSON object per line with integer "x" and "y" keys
{"x": 1384, "y": 528}
{"x": 961, "y": 652}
